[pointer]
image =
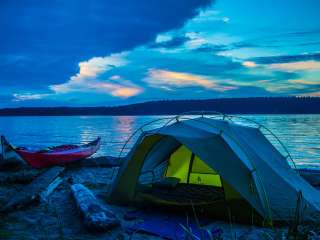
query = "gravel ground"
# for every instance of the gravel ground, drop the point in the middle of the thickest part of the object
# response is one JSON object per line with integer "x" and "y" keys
{"x": 59, "y": 218}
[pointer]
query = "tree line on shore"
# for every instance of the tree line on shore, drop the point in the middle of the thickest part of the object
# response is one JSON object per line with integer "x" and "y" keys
{"x": 256, "y": 105}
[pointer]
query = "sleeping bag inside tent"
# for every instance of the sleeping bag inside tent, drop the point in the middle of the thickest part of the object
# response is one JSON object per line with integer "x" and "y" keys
{"x": 213, "y": 163}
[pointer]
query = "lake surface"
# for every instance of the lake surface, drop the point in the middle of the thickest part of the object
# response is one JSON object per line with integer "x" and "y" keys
{"x": 299, "y": 133}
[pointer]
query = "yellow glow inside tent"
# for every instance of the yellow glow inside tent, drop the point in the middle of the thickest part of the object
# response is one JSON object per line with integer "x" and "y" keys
{"x": 191, "y": 169}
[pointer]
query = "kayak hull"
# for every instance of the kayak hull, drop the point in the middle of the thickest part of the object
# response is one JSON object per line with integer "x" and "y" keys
{"x": 59, "y": 155}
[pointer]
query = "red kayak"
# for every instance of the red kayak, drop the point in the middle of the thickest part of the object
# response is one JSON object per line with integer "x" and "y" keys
{"x": 55, "y": 155}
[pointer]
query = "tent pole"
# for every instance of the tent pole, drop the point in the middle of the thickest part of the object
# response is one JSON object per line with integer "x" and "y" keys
{"x": 2, "y": 148}
{"x": 190, "y": 166}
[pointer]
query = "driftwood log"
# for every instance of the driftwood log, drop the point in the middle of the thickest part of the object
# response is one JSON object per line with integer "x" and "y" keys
{"x": 44, "y": 196}
{"x": 31, "y": 192}
{"x": 96, "y": 217}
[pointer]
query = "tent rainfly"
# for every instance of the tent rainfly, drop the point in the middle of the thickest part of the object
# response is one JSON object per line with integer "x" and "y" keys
{"x": 216, "y": 159}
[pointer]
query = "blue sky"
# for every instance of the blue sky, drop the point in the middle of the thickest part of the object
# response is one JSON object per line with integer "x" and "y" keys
{"x": 93, "y": 53}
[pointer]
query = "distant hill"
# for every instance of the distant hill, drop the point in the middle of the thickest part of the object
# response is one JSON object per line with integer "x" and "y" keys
{"x": 259, "y": 105}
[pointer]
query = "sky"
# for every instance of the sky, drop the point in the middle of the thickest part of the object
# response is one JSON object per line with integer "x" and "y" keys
{"x": 111, "y": 52}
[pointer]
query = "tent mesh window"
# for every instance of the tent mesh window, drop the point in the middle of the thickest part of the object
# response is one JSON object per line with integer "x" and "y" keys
{"x": 153, "y": 175}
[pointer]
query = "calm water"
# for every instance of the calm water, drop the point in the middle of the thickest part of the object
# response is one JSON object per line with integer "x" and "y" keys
{"x": 299, "y": 133}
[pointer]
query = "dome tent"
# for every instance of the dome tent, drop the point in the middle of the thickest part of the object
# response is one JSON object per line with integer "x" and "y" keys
{"x": 238, "y": 160}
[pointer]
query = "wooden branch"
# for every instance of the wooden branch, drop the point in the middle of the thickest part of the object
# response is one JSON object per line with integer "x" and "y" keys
{"x": 31, "y": 192}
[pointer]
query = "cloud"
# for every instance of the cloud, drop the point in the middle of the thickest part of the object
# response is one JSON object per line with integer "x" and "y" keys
{"x": 210, "y": 48}
{"x": 304, "y": 82}
{"x": 90, "y": 85}
{"x": 210, "y": 16}
{"x": 293, "y": 87}
{"x": 125, "y": 92}
{"x": 248, "y": 53}
{"x": 163, "y": 38}
{"x": 249, "y": 64}
{"x": 168, "y": 79}
{"x": 90, "y": 78}
{"x": 42, "y": 42}
{"x": 224, "y": 48}
{"x": 296, "y": 66}
{"x": 287, "y": 58}
{"x": 28, "y": 96}
{"x": 226, "y": 19}
{"x": 199, "y": 39}
{"x": 116, "y": 90}
{"x": 165, "y": 55}
{"x": 314, "y": 94}
{"x": 115, "y": 77}
{"x": 98, "y": 65}
{"x": 195, "y": 40}
{"x": 172, "y": 42}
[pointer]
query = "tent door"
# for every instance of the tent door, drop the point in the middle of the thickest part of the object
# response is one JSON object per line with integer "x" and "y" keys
{"x": 189, "y": 168}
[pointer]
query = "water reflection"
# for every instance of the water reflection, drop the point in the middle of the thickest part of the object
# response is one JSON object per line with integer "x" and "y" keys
{"x": 85, "y": 135}
{"x": 122, "y": 128}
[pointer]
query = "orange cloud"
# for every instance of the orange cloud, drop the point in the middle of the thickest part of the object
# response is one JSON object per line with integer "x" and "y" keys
{"x": 312, "y": 94}
{"x": 178, "y": 78}
{"x": 117, "y": 90}
{"x": 315, "y": 94}
{"x": 89, "y": 78}
{"x": 161, "y": 78}
{"x": 114, "y": 89}
{"x": 249, "y": 64}
{"x": 126, "y": 92}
